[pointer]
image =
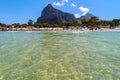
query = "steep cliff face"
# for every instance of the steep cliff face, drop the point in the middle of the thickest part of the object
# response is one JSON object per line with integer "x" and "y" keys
{"x": 54, "y": 16}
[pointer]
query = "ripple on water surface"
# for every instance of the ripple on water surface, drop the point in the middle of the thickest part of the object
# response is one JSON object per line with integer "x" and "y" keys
{"x": 59, "y": 56}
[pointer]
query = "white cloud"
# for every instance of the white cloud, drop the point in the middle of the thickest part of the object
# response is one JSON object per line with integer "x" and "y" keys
{"x": 73, "y": 5}
{"x": 84, "y": 10}
{"x": 60, "y": 3}
{"x": 65, "y": 0}
{"x": 77, "y": 15}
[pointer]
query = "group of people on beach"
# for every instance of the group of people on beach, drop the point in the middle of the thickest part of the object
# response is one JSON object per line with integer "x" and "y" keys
{"x": 52, "y": 29}
{"x": 82, "y": 28}
{"x": 95, "y": 28}
{"x": 64, "y": 28}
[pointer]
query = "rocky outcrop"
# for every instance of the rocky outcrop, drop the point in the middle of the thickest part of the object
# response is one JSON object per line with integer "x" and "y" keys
{"x": 86, "y": 16}
{"x": 54, "y": 16}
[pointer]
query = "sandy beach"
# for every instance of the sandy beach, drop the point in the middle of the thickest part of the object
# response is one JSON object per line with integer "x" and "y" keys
{"x": 56, "y": 29}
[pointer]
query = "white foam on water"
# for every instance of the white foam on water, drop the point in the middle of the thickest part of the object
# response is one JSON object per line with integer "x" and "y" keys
{"x": 31, "y": 31}
{"x": 13, "y": 31}
{"x": 80, "y": 31}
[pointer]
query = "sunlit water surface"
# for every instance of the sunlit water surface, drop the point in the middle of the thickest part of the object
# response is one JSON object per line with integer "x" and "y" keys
{"x": 60, "y": 55}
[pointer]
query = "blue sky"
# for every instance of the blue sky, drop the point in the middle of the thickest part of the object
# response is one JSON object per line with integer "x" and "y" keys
{"x": 20, "y": 11}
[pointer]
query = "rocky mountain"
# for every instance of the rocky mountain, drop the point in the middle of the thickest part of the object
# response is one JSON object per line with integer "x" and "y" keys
{"x": 54, "y": 16}
{"x": 86, "y": 16}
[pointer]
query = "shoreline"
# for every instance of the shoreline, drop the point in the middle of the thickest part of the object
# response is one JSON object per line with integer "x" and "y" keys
{"x": 58, "y": 29}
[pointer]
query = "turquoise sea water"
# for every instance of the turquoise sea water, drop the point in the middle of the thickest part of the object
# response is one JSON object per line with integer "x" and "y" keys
{"x": 60, "y": 55}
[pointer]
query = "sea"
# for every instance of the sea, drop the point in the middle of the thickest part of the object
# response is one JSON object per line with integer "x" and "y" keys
{"x": 60, "y": 55}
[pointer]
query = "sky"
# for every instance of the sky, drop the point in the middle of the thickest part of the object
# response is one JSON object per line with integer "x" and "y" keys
{"x": 20, "y": 11}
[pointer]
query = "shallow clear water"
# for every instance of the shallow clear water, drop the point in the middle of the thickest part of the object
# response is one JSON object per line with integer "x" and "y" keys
{"x": 60, "y": 56}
